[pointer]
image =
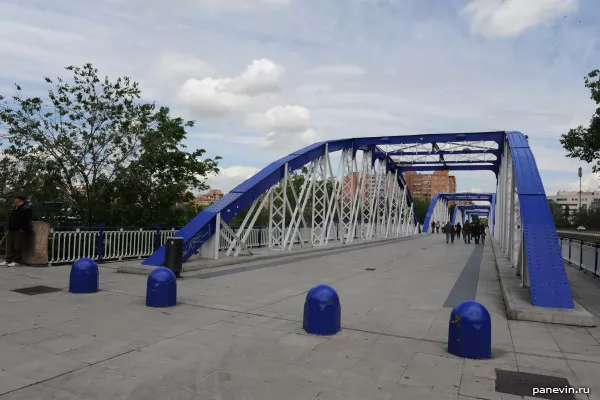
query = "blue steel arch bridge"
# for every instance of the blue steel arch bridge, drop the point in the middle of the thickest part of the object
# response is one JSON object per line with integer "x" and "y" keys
{"x": 439, "y": 208}
{"x": 354, "y": 191}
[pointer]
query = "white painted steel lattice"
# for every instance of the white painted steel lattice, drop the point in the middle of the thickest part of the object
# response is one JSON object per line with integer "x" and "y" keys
{"x": 314, "y": 206}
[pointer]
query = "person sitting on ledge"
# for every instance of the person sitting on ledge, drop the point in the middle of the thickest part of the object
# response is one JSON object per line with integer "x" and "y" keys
{"x": 19, "y": 229}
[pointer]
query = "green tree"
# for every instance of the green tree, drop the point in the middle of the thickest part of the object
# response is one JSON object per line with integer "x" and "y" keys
{"x": 584, "y": 143}
{"x": 567, "y": 215}
{"x": 421, "y": 208}
{"x": 558, "y": 214}
{"x": 112, "y": 157}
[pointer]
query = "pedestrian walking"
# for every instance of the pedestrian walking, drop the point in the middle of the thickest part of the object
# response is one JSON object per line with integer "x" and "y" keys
{"x": 483, "y": 233}
{"x": 476, "y": 232}
{"x": 19, "y": 230}
{"x": 437, "y": 227}
{"x": 458, "y": 230}
{"x": 449, "y": 231}
{"x": 467, "y": 232}
{"x": 432, "y": 227}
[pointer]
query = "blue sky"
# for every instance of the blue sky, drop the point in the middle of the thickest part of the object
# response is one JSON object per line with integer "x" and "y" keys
{"x": 265, "y": 77}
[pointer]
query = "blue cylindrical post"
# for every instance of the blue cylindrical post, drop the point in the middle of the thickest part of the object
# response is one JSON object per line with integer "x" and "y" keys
{"x": 84, "y": 276}
{"x": 100, "y": 243}
{"x": 470, "y": 331}
{"x": 322, "y": 311}
{"x": 161, "y": 289}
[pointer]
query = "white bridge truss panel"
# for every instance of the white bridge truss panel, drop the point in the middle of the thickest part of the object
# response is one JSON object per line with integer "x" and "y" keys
{"x": 314, "y": 206}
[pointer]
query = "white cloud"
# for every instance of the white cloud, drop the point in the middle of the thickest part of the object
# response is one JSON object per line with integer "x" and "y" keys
{"x": 176, "y": 65}
{"x": 338, "y": 70}
{"x": 213, "y": 5}
{"x": 284, "y": 119}
{"x": 505, "y": 18}
{"x": 262, "y": 76}
{"x": 209, "y": 97}
{"x": 219, "y": 96}
{"x": 230, "y": 177}
{"x": 289, "y": 142}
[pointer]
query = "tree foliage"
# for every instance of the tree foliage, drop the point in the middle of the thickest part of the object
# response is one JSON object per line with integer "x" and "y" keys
{"x": 584, "y": 143}
{"x": 95, "y": 150}
{"x": 421, "y": 208}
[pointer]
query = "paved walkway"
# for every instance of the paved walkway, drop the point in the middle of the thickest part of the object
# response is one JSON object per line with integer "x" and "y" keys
{"x": 236, "y": 333}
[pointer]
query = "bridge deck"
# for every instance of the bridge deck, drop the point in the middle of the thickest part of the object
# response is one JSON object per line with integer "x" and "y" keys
{"x": 237, "y": 333}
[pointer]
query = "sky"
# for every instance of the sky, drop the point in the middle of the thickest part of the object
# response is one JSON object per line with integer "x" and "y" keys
{"x": 263, "y": 78}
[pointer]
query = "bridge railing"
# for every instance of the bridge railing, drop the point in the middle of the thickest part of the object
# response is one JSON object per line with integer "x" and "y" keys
{"x": 580, "y": 232}
{"x": 67, "y": 244}
{"x": 581, "y": 254}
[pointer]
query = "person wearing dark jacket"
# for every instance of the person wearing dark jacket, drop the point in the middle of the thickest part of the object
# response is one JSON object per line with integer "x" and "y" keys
{"x": 458, "y": 230}
{"x": 476, "y": 231}
{"x": 467, "y": 232}
{"x": 19, "y": 229}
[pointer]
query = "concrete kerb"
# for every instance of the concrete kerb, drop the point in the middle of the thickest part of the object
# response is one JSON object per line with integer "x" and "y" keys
{"x": 197, "y": 265}
{"x": 517, "y": 299}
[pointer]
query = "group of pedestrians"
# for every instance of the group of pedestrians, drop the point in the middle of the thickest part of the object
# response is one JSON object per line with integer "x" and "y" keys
{"x": 475, "y": 231}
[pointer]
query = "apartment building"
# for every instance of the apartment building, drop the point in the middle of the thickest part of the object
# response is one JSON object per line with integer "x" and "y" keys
{"x": 427, "y": 185}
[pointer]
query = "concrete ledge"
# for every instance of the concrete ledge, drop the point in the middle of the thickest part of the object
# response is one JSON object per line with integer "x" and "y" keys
{"x": 517, "y": 299}
{"x": 199, "y": 264}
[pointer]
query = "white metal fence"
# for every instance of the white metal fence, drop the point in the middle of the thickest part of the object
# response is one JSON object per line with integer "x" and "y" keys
{"x": 581, "y": 254}
{"x": 66, "y": 246}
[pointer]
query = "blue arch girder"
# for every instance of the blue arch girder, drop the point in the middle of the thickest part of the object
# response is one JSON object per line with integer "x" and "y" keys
{"x": 548, "y": 280}
{"x": 460, "y": 196}
{"x": 471, "y": 208}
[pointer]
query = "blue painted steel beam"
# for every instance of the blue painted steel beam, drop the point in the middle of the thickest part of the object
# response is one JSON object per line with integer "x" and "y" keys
{"x": 454, "y": 214}
{"x": 549, "y": 285}
{"x": 429, "y": 214}
{"x": 497, "y": 136}
{"x": 495, "y": 152}
{"x": 450, "y": 162}
{"x": 489, "y": 167}
{"x": 467, "y": 196}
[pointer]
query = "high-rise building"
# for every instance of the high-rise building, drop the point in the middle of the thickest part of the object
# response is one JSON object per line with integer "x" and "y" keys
{"x": 425, "y": 186}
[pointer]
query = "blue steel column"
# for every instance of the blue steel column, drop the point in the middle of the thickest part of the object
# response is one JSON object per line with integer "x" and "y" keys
{"x": 547, "y": 275}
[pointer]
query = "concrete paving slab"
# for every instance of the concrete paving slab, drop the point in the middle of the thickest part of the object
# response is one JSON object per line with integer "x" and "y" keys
{"x": 239, "y": 334}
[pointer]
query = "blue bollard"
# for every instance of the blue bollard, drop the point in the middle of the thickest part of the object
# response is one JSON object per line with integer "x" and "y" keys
{"x": 84, "y": 276}
{"x": 161, "y": 290}
{"x": 322, "y": 311}
{"x": 470, "y": 331}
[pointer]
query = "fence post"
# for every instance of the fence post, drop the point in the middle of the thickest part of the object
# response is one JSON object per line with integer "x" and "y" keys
{"x": 569, "y": 250}
{"x": 596, "y": 259}
{"x": 259, "y": 236}
{"x": 581, "y": 255}
{"x": 157, "y": 238}
{"x": 101, "y": 243}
